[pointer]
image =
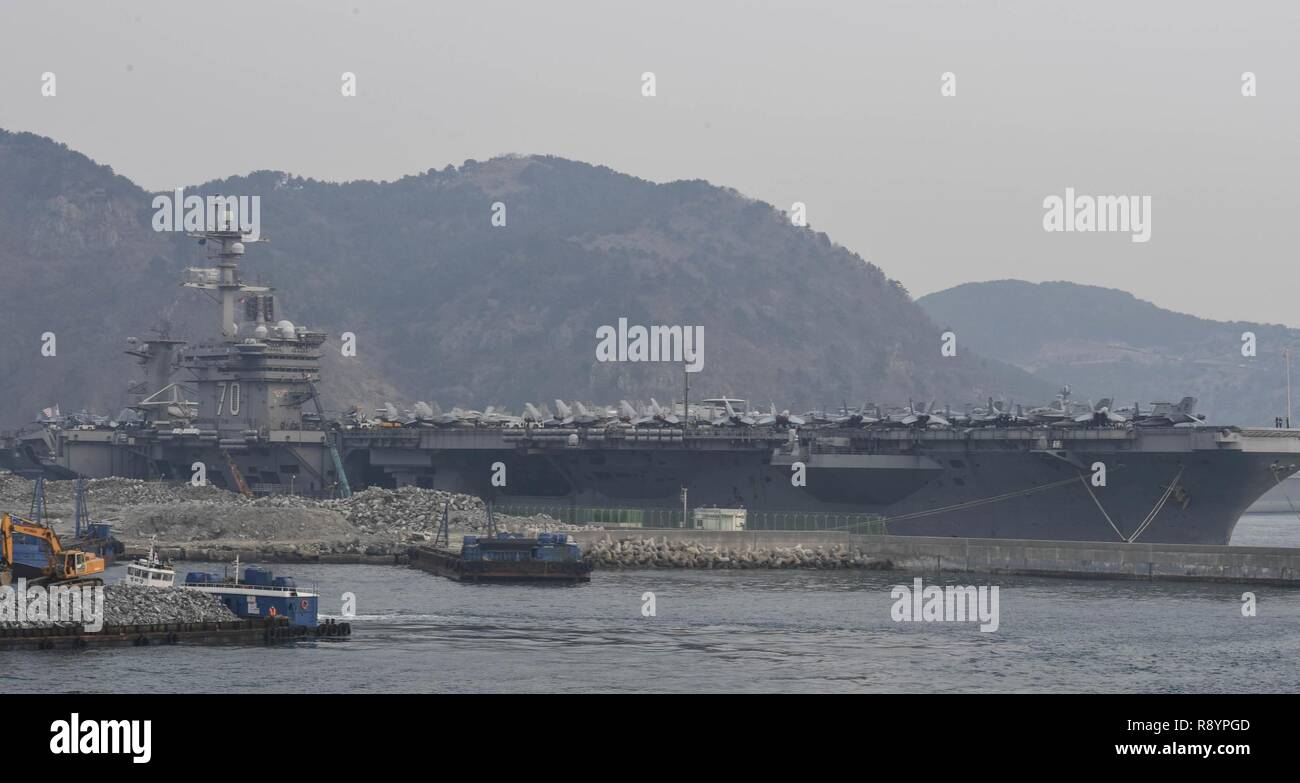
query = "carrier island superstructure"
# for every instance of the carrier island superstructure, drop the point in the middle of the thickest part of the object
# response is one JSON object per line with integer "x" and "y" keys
{"x": 243, "y": 406}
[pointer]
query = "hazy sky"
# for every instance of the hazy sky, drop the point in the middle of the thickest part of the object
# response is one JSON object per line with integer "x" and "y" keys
{"x": 836, "y": 105}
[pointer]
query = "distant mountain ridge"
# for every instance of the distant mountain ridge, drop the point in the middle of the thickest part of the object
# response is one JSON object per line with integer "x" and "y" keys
{"x": 448, "y": 308}
{"x": 1106, "y": 342}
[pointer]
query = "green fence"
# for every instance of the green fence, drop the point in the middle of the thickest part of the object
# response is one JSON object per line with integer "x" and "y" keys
{"x": 866, "y": 524}
{"x": 599, "y": 516}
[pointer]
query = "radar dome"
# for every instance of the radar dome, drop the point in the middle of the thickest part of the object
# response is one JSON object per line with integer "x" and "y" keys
{"x": 237, "y": 247}
{"x": 285, "y": 328}
{"x": 261, "y": 332}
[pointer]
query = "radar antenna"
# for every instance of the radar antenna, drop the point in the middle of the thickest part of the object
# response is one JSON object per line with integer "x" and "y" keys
{"x": 224, "y": 278}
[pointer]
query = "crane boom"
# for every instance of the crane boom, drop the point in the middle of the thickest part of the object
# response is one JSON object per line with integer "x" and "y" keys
{"x": 345, "y": 489}
{"x": 238, "y": 477}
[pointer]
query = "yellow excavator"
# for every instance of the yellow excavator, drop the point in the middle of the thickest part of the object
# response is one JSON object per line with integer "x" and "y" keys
{"x": 64, "y": 565}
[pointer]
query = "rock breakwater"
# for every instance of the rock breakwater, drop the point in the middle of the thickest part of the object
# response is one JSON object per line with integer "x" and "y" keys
{"x": 664, "y": 553}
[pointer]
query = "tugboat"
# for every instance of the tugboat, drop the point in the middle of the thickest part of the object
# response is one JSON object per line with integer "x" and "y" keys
{"x": 259, "y": 594}
{"x": 150, "y": 571}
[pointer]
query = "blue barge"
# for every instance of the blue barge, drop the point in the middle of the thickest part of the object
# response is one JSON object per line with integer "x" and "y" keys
{"x": 259, "y": 594}
{"x": 507, "y": 557}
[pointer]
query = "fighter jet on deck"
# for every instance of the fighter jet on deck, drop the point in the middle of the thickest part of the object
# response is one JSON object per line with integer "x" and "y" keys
{"x": 665, "y": 416}
{"x": 500, "y": 418}
{"x": 784, "y": 419}
{"x": 1164, "y": 414}
{"x": 913, "y": 416}
{"x": 1100, "y": 416}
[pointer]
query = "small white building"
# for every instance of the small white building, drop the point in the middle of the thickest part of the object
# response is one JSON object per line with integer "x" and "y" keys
{"x": 732, "y": 519}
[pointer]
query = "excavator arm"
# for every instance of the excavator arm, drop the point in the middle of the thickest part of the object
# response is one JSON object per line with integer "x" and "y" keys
{"x": 7, "y": 539}
{"x": 63, "y": 564}
{"x": 23, "y": 528}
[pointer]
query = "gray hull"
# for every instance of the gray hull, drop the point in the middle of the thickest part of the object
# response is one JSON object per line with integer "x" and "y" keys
{"x": 1015, "y": 483}
{"x": 989, "y": 493}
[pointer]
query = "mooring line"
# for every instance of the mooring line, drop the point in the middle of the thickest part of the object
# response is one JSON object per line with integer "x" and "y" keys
{"x": 1093, "y": 495}
{"x": 1159, "y": 505}
{"x": 957, "y": 506}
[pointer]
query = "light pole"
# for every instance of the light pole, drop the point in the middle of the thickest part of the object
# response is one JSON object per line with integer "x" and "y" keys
{"x": 686, "y": 396}
{"x": 1286, "y": 354}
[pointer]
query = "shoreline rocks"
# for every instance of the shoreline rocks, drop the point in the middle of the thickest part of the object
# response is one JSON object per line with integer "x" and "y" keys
{"x": 662, "y": 553}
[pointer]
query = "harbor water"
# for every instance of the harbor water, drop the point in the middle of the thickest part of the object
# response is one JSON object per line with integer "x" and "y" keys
{"x": 750, "y": 631}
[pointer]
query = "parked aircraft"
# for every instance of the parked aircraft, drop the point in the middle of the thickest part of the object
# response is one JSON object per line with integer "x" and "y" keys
{"x": 784, "y": 419}
{"x": 1100, "y": 416}
{"x": 1164, "y": 414}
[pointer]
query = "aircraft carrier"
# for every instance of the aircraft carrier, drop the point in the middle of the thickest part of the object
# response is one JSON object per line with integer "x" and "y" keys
{"x": 241, "y": 409}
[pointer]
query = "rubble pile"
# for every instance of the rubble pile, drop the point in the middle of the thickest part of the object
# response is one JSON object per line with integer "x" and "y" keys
{"x": 411, "y": 510}
{"x": 137, "y": 605}
{"x": 405, "y": 509}
{"x": 16, "y": 492}
{"x": 196, "y": 522}
{"x": 375, "y": 522}
{"x": 652, "y": 553}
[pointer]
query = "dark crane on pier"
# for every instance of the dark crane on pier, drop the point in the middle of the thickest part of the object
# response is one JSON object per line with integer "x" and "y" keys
{"x": 345, "y": 489}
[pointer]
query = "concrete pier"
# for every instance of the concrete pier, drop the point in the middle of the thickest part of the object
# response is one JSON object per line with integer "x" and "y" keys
{"x": 1189, "y": 562}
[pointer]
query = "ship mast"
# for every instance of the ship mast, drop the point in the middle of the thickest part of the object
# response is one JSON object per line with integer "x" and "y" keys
{"x": 229, "y": 242}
